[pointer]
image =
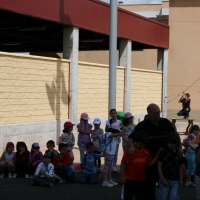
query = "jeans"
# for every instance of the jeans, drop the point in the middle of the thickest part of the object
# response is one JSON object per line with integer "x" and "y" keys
{"x": 169, "y": 192}
{"x": 88, "y": 177}
{"x": 184, "y": 113}
{"x": 43, "y": 181}
{"x": 63, "y": 173}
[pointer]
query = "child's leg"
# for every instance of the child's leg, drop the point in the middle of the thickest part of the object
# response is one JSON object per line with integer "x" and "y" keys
{"x": 83, "y": 178}
{"x": 82, "y": 151}
{"x": 191, "y": 166}
{"x": 2, "y": 166}
{"x": 129, "y": 188}
{"x": 115, "y": 158}
{"x": 70, "y": 152}
{"x": 99, "y": 162}
{"x": 174, "y": 190}
{"x": 93, "y": 178}
{"x": 10, "y": 167}
{"x": 163, "y": 191}
{"x": 107, "y": 167}
{"x": 197, "y": 186}
{"x": 141, "y": 190}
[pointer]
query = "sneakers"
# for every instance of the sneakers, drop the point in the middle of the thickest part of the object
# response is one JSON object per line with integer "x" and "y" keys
{"x": 114, "y": 169}
{"x": 9, "y": 175}
{"x": 188, "y": 184}
{"x": 2, "y": 175}
{"x": 14, "y": 175}
{"x": 107, "y": 184}
{"x": 112, "y": 182}
{"x": 26, "y": 175}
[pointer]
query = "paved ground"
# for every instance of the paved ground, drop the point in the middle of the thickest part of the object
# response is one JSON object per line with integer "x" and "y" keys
{"x": 21, "y": 189}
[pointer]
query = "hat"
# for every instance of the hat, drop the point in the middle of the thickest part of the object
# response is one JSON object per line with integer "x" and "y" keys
{"x": 97, "y": 121}
{"x": 46, "y": 155}
{"x": 197, "y": 139}
{"x": 68, "y": 124}
{"x": 128, "y": 115}
{"x": 84, "y": 116}
{"x": 9, "y": 144}
{"x": 115, "y": 126}
{"x": 35, "y": 146}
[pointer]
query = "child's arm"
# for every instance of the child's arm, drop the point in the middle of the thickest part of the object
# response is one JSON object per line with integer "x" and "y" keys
{"x": 40, "y": 159}
{"x": 122, "y": 173}
{"x": 197, "y": 157}
{"x": 154, "y": 160}
{"x": 88, "y": 168}
{"x": 31, "y": 158}
{"x": 106, "y": 128}
{"x": 81, "y": 129}
{"x": 159, "y": 166}
{"x": 37, "y": 172}
{"x": 3, "y": 156}
{"x": 115, "y": 135}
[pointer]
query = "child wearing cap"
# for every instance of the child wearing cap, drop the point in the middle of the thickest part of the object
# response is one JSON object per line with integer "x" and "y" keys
{"x": 113, "y": 119}
{"x": 63, "y": 166}
{"x": 133, "y": 169}
{"x": 8, "y": 159}
{"x": 35, "y": 157}
{"x": 111, "y": 136}
{"x": 127, "y": 128}
{"x": 50, "y": 149}
{"x": 68, "y": 138}
{"x": 44, "y": 174}
{"x": 84, "y": 129}
{"x": 95, "y": 139}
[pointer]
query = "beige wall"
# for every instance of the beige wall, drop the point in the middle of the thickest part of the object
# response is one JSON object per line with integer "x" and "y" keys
{"x": 32, "y": 88}
{"x": 146, "y": 88}
{"x": 146, "y": 59}
{"x": 184, "y": 59}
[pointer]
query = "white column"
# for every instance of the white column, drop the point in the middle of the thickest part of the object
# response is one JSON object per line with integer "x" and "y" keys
{"x": 70, "y": 51}
{"x": 125, "y": 50}
{"x": 164, "y": 86}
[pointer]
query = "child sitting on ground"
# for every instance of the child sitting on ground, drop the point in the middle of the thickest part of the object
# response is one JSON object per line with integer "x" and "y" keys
{"x": 22, "y": 156}
{"x": 62, "y": 165}
{"x": 133, "y": 169}
{"x": 170, "y": 168}
{"x": 95, "y": 139}
{"x": 68, "y": 138}
{"x": 35, "y": 157}
{"x": 88, "y": 165}
{"x": 8, "y": 159}
{"x": 44, "y": 174}
{"x": 51, "y": 151}
{"x": 110, "y": 148}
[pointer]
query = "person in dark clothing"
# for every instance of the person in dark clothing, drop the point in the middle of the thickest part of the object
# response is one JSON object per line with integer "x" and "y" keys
{"x": 185, "y": 100}
{"x": 157, "y": 129}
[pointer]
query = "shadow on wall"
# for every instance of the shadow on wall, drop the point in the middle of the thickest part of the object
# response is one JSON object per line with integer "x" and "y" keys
{"x": 57, "y": 94}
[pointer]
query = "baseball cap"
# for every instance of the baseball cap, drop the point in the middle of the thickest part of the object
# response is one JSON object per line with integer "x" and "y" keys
{"x": 68, "y": 124}
{"x": 84, "y": 116}
{"x": 97, "y": 121}
{"x": 128, "y": 115}
{"x": 35, "y": 145}
{"x": 115, "y": 126}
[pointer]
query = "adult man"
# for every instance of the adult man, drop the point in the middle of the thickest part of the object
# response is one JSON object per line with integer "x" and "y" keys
{"x": 157, "y": 129}
{"x": 185, "y": 100}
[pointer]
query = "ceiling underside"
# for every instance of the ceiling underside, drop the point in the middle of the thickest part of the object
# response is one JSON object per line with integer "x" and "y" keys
{"x": 21, "y": 33}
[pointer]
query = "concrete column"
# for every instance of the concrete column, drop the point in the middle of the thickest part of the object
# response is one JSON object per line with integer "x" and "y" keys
{"x": 164, "y": 85}
{"x": 125, "y": 50}
{"x": 160, "y": 60}
{"x": 70, "y": 51}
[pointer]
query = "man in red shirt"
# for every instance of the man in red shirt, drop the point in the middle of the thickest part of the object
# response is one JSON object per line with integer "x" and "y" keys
{"x": 62, "y": 165}
{"x": 133, "y": 169}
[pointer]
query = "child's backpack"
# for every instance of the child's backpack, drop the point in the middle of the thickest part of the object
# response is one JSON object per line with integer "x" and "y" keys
{"x": 103, "y": 142}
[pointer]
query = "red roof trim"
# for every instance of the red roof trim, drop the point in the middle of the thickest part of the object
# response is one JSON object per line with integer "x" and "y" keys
{"x": 93, "y": 15}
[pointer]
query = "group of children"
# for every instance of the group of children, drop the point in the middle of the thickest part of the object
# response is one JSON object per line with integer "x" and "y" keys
{"x": 54, "y": 166}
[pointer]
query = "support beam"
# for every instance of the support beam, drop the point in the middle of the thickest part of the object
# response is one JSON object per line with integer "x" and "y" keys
{"x": 125, "y": 49}
{"x": 70, "y": 51}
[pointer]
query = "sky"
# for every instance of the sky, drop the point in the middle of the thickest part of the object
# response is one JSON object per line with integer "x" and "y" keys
{"x": 137, "y": 1}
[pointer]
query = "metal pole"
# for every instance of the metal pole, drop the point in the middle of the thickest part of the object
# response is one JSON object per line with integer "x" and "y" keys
{"x": 112, "y": 54}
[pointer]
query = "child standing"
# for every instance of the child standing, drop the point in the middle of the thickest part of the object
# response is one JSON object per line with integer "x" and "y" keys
{"x": 88, "y": 165}
{"x": 68, "y": 138}
{"x": 95, "y": 138}
{"x": 35, "y": 157}
{"x": 133, "y": 169}
{"x": 50, "y": 149}
{"x": 113, "y": 119}
{"x": 111, "y": 137}
{"x": 84, "y": 129}
{"x": 127, "y": 128}
{"x": 44, "y": 174}
{"x": 8, "y": 159}
{"x": 170, "y": 168}
{"x": 62, "y": 165}
{"x": 197, "y": 170}
{"x": 22, "y": 156}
